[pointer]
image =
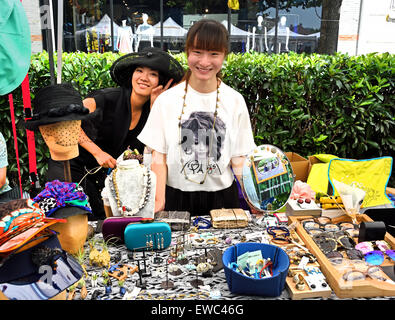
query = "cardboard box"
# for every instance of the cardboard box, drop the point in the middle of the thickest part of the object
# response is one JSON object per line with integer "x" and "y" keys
{"x": 300, "y": 166}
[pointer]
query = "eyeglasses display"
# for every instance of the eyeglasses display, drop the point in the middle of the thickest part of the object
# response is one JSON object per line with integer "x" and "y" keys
{"x": 373, "y": 272}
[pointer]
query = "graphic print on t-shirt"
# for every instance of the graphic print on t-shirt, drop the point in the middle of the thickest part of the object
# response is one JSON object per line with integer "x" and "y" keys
{"x": 198, "y": 132}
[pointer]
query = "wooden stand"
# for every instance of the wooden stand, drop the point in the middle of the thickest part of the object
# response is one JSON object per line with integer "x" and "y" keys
{"x": 343, "y": 289}
{"x": 295, "y": 293}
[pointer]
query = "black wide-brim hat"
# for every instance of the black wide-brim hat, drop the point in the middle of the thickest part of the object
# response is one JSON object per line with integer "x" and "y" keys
{"x": 155, "y": 58}
{"x": 56, "y": 103}
{"x": 40, "y": 272}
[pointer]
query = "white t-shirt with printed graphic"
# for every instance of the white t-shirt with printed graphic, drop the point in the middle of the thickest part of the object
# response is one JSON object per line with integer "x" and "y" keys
{"x": 187, "y": 148}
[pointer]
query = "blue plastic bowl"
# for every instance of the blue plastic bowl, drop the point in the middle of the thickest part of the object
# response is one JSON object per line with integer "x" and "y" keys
{"x": 241, "y": 284}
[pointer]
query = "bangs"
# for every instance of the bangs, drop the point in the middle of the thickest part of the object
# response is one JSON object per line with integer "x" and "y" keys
{"x": 210, "y": 35}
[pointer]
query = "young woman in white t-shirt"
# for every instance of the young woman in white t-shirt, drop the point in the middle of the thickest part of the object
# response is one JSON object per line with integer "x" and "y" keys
{"x": 199, "y": 130}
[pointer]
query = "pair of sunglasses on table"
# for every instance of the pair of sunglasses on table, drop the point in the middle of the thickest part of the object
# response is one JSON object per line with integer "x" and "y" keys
{"x": 374, "y": 256}
{"x": 329, "y": 243}
{"x": 315, "y": 226}
{"x": 352, "y": 270}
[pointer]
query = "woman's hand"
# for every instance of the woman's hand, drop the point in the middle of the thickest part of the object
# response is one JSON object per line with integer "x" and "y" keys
{"x": 158, "y": 90}
{"x": 105, "y": 160}
{"x": 159, "y": 205}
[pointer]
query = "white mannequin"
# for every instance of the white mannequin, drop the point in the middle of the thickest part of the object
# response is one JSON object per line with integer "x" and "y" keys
{"x": 283, "y": 30}
{"x": 125, "y": 38}
{"x": 282, "y": 35}
{"x": 261, "y": 32}
{"x": 145, "y": 32}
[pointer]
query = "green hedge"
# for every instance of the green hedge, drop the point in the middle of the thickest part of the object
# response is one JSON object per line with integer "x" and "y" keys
{"x": 339, "y": 104}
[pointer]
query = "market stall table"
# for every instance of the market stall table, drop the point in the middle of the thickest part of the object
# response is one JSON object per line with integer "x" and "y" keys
{"x": 159, "y": 279}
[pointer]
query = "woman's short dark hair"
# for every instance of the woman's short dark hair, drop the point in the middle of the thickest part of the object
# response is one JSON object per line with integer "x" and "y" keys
{"x": 208, "y": 34}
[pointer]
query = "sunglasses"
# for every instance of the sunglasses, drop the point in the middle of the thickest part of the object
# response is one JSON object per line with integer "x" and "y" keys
{"x": 373, "y": 272}
{"x": 336, "y": 257}
{"x": 376, "y": 257}
{"x": 325, "y": 224}
{"x": 372, "y": 256}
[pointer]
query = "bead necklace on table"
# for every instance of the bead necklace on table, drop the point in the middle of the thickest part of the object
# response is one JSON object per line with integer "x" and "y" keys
{"x": 211, "y": 136}
{"x": 123, "y": 209}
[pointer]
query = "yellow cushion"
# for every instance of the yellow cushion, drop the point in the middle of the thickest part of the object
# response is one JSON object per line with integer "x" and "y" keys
{"x": 318, "y": 177}
{"x": 370, "y": 175}
{"x": 324, "y": 157}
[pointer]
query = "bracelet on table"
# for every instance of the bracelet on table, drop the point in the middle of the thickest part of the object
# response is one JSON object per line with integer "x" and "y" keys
{"x": 212, "y": 240}
{"x": 202, "y": 223}
{"x": 272, "y": 231}
{"x": 280, "y": 240}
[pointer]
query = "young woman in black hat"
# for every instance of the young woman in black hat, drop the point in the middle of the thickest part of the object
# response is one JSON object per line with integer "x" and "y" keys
{"x": 117, "y": 117}
{"x": 200, "y": 130}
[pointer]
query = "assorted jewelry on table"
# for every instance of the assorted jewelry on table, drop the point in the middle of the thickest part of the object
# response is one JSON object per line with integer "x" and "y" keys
{"x": 181, "y": 267}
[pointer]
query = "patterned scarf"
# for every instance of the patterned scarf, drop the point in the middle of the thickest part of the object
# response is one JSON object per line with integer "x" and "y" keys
{"x": 58, "y": 194}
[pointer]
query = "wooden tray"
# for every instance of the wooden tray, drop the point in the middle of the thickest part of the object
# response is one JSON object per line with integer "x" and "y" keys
{"x": 359, "y": 288}
{"x": 306, "y": 293}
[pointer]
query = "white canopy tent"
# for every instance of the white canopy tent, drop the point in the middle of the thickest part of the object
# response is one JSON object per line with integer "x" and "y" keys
{"x": 235, "y": 31}
{"x": 281, "y": 32}
{"x": 102, "y": 27}
{"x": 170, "y": 29}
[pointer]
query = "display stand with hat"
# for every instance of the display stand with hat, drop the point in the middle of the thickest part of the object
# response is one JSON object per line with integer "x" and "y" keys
{"x": 33, "y": 266}
{"x": 58, "y": 111}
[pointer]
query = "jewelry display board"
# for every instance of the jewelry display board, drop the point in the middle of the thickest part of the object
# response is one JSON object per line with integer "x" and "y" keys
{"x": 130, "y": 189}
{"x": 368, "y": 287}
{"x": 305, "y": 279}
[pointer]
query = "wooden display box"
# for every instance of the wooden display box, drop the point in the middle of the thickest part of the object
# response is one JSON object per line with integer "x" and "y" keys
{"x": 306, "y": 293}
{"x": 355, "y": 289}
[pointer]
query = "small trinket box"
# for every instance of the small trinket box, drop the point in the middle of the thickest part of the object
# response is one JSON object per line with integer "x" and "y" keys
{"x": 228, "y": 218}
{"x": 178, "y": 220}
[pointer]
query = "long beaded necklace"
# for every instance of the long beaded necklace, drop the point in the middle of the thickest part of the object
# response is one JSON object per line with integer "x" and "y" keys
{"x": 123, "y": 209}
{"x": 211, "y": 136}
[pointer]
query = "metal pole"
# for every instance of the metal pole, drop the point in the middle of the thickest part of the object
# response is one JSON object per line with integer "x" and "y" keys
{"x": 229, "y": 24}
{"x": 112, "y": 23}
{"x": 75, "y": 26}
{"x": 48, "y": 35}
{"x": 276, "y": 30}
{"x": 60, "y": 39}
{"x": 161, "y": 24}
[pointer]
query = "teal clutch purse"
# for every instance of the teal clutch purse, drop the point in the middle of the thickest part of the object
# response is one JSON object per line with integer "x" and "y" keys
{"x": 147, "y": 236}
